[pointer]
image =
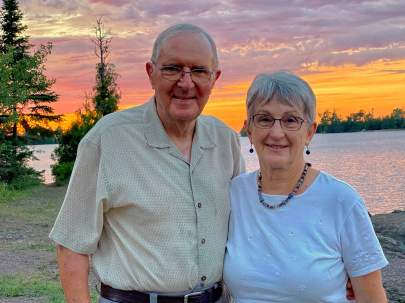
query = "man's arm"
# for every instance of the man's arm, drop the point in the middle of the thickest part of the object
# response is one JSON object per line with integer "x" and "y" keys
{"x": 369, "y": 288}
{"x": 74, "y": 275}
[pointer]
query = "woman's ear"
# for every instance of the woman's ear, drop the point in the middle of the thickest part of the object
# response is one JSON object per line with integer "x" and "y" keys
{"x": 247, "y": 129}
{"x": 311, "y": 132}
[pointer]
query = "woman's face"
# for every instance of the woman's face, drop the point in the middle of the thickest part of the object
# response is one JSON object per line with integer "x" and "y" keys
{"x": 278, "y": 147}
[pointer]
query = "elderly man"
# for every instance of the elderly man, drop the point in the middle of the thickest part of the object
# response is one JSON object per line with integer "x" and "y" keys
{"x": 148, "y": 197}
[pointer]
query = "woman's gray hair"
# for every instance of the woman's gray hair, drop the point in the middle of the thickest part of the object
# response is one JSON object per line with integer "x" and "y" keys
{"x": 182, "y": 28}
{"x": 286, "y": 88}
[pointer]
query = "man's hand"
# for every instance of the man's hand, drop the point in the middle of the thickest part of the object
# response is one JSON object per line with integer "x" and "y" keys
{"x": 74, "y": 275}
{"x": 349, "y": 291}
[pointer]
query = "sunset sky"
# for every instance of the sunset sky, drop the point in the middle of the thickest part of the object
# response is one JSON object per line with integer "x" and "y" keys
{"x": 351, "y": 52}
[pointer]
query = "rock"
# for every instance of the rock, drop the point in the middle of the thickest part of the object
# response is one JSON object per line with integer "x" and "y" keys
{"x": 401, "y": 230}
{"x": 389, "y": 245}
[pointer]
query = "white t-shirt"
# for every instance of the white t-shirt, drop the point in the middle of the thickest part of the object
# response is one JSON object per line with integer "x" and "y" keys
{"x": 302, "y": 252}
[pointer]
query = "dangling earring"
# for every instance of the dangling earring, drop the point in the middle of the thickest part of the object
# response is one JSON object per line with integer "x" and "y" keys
{"x": 251, "y": 149}
{"x": 307, "y": 151}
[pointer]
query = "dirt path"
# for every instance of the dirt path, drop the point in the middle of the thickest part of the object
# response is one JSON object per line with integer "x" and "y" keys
{"x": 25, "y": 249}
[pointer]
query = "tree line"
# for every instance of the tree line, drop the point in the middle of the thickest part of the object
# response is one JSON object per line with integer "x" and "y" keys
{"x": 330, "y": 122}
{"x": 26, "y": 99}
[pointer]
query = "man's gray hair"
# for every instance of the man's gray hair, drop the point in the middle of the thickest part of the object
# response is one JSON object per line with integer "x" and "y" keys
{"x": 286, "y": 88}
{"x": 182, "y": 28}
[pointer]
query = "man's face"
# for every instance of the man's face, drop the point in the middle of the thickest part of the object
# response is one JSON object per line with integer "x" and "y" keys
{"x": 182, "y": 100}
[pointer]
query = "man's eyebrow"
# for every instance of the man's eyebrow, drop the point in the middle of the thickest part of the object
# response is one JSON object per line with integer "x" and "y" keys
{"x": 291, "y": 112}
{"x": 199, "y": 67}
{"x": 171, "y": 65}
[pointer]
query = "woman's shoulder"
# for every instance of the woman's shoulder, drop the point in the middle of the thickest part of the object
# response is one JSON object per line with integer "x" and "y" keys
{"x": 334, "y": 187}
{"x": 243, "y": 182}
{"x": 334, "y": 183}
{"x": 244, "y": 178}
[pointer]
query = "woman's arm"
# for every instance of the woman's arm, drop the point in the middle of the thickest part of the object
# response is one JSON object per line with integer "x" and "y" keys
{"x": 368, "y": 288}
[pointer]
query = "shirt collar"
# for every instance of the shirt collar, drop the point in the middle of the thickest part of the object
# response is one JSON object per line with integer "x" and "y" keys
{"x": 156, "y": 135}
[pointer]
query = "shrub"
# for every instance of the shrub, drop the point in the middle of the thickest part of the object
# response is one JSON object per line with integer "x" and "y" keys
{"x": 62, "y": 172}
{"x": 65, "y": 153}
{"x": 14, "y": 170}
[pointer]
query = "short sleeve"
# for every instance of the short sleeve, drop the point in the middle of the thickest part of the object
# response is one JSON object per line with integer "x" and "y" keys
{"x": 362, "y": 252}
{"x": 79, "y": 223}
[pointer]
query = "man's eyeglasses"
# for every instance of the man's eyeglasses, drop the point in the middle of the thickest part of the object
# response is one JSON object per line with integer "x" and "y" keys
{"x": 174, "y": 73}
{"x": 288, "y": 122}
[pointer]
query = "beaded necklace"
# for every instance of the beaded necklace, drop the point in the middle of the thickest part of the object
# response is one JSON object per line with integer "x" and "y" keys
{"x": 290, "y": 195}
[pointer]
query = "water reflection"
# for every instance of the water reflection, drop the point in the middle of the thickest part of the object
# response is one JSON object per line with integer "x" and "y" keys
{"x": 43, "y": 154}
{"x": 372, "y": 162}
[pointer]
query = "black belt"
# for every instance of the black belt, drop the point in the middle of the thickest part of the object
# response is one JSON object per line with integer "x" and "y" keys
{"x": 210, "y": 295}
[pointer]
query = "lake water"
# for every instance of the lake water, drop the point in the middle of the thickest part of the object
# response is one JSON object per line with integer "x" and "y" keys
{"x": 372, "y": 162}
{"x": 43, "y": 154}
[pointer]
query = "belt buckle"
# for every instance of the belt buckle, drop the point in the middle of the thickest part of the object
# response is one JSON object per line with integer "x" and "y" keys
{"x": 192, "y": 294}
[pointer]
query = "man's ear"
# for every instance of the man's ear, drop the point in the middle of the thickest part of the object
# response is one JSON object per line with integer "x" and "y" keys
{"x": 217, "y": 74}
{"x": 149, "y": 70}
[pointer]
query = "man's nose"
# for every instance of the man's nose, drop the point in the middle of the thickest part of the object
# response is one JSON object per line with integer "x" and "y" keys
{"x": 186, "y": 80}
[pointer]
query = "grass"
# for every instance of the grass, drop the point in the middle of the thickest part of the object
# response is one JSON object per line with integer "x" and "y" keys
{"x": 35, "y": 246}
{"x": 35, "y": 287}
{"x": 8, "y": 194}
{"x": 33, "y": 211}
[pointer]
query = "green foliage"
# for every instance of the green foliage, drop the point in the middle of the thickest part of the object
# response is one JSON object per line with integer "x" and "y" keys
{"x": 331, "y": 123}
{"x": 14, "y": 170}
{"x": 12, "y": 28}
{"x": 68, "y": 141}
{"x": 104, "y": 101}
{"x": 24, "y": 91}
{"x": 106, "y": 94}
{"x": 25, "y": 96}
{"x": 9, "y": 194}
{"x": 62, "y": 172}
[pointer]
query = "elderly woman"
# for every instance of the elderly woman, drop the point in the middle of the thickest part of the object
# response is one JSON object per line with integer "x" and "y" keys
{"x": 296, "y": 234}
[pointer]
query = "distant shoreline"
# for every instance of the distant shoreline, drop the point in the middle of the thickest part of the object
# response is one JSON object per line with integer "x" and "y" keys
{"x": 348, "y": 132}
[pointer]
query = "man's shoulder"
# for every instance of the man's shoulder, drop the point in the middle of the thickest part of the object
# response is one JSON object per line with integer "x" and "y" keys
{"x": 214, "y": 123}
{"x": 131, "y": 117}
{"x": 127, "y": 116}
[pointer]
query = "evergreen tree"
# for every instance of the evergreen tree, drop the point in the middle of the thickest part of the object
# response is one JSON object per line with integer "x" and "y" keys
{"x": 13, "y": 29}
{"x": 25, "y": 92}
{"x": 106, "y": 95}
{"x": 34, "y": 108}
{"x": 104, "y": 101}
{"x": 23, "y": 89}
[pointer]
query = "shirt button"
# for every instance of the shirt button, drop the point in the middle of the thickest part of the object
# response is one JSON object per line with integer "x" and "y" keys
{"x": 199, "y": 205}
{"x": 202, "y": 241}
{"x": 203, "y": 278}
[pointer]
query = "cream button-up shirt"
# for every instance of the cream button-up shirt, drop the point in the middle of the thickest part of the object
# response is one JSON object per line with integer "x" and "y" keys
{"x": 150, "y": 220}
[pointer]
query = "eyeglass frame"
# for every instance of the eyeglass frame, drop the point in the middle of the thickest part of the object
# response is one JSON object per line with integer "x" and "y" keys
{"x": 300, "y": 120}
{"x": 182, "y": 72}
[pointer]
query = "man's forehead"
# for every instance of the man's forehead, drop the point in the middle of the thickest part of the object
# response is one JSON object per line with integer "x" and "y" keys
{"x": 187, "y": 46}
